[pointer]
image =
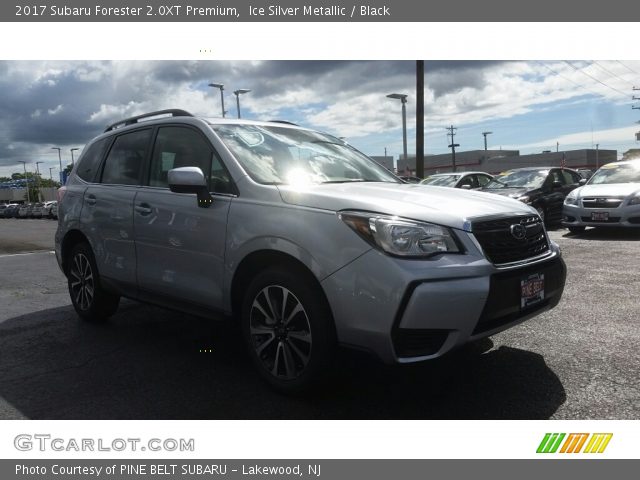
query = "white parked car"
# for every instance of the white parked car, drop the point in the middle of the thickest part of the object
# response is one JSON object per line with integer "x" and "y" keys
{"x": 611, "y": 198}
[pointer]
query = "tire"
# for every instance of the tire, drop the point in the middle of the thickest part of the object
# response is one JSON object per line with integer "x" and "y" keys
{"x": 90, "y": 301}
{"x": 576, "y": 229}
{"x": 292, "y": 348}
{"x": 542, "y": 212}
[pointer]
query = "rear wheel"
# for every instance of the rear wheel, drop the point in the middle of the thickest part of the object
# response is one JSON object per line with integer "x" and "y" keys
{"x": 288, "y": 328}
{"x": 90, "y": 301}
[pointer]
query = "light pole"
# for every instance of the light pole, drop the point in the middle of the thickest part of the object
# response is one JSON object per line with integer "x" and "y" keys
{"x": 597, "y": 145}
{"x": 24, "y": 164}
{"x": 60, "y": 159}
{"x": 51, "y": 174}
{"x": 221, "y": 87}
{"x": 485, "y": 139}
{"x": 237, "y": 93}
{"x": 403, "y": 99}
{"x": 72, "y": 150}
{"x": 38, "y": 178}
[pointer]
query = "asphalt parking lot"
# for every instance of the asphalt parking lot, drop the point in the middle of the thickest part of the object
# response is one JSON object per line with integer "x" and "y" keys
{"x": 578, "y": 361}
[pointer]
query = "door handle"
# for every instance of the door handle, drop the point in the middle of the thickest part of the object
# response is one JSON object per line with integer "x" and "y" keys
{"x": 91, "y": 199}
{"x": 143, "y": 209}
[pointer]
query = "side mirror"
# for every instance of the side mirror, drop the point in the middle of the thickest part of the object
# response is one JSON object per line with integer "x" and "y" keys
{"x": 190, "y": 180}
{"x": 556, "y": 184}
{"x": 465, "y": 187}
{"x": 582, "y": 181}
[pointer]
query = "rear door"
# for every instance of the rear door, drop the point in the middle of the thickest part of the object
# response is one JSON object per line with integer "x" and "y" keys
{"x": 180, "y": 246}
{"x": 107, "y": 210}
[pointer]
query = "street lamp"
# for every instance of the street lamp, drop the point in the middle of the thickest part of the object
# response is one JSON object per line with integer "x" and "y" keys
{"x": 237, "y": 93}
{"x": 60, "y": 159}
{"x": 221, "y": 87}
{"x": 24, "y": 164}
{"x": 485, "y": 139}
{"x": 51, "y": 174}
{"x": 38, "y": 177}
{"x": 72, "y": 150}
{"x": 403, "y": 98}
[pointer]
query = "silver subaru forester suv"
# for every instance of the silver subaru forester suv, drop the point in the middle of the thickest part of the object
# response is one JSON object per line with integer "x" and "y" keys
{"x": 305, "y": 241}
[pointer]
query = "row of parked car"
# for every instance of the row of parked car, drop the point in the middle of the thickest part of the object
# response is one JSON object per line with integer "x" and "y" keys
{"x": 574, "y": 198}
{"x": 30, "y": 210}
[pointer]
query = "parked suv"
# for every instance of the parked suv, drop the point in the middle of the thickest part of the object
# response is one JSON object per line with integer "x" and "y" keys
{"x": 305, "y": 241}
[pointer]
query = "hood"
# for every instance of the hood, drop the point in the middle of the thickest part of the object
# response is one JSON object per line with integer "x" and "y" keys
{"x": 511, "y": 192}
{"x": 608, "y": 190}
{"x": 450, "y": 207}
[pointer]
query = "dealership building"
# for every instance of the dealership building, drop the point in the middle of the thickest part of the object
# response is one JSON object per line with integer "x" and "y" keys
{"x": 496, "y": 161}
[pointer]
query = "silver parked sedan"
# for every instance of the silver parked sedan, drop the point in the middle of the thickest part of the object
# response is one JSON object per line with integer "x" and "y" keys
{"x": 611, "y": 198}
{"x": 305, "y": 241}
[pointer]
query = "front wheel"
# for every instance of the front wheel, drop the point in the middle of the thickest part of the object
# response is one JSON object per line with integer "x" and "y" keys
{"x": 541, "y": 211}
{"x": 288, "y": 328}
{"x": 90, "y": 301}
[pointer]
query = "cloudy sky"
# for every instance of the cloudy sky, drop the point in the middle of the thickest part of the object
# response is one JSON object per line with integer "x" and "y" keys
{"x": 527, "y": 105}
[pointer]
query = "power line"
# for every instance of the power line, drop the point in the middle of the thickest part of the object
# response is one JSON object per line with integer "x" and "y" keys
{"x": 628, "y": 67}
{"x": 594, "y": 78}
{"x": 610, "y": 72}
{"x": 569, "y": 79}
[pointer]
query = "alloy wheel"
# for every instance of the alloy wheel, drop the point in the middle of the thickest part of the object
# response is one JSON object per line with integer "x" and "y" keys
{"x": 82, "y": 283}
{"x": 280, "y": 332}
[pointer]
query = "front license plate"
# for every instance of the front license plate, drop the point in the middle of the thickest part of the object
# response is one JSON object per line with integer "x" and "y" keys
{"x": 531, "y": 290}
{"x": 600, "y": 216}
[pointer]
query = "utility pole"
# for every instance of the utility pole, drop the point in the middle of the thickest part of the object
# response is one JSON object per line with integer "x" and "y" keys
{"x": 452, "y": 134}
{"x": 597, "y": 165}
{"x": 557, "y": 146}
{"x": 420, "y": 118}
{"x": 485, "y": 139}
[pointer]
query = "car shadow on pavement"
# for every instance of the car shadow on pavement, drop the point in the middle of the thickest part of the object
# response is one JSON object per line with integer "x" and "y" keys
{"x": 149, "y": 363}
{"x": 607, "y": 233}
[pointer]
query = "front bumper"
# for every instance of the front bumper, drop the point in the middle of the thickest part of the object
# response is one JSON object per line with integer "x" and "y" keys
{"x": 622, "y": 216}
{"x": 407, "y": 311}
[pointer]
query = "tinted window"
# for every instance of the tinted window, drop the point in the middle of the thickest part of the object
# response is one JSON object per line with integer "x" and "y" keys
{"x": 483, "y": 180}
{"x": 124, "y": 162}
{"x": 468, "y": 180}
{"x": 89, "y": 161}
{"x": 177, "y": 147}
{"x": 556, "y": 176}
{"x": 570, "y": 177}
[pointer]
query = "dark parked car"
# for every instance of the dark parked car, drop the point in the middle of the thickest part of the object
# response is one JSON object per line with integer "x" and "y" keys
{"x": 11, "y": 211}
{"x": 544, "y": 188}
{"x": 465, "y": 180}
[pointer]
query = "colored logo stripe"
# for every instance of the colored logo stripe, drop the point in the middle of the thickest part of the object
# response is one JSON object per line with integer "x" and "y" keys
{"x": 597, "y": 442}
{"x": 550, "y": 443}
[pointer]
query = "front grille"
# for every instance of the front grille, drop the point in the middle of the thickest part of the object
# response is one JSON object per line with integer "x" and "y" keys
{"x": 418, "y": 342}
{"x": 501, "y": 246}
{"x": 610, "y": 220}
{"x": 601, "y": 202}
{"x": 503, "y": 303}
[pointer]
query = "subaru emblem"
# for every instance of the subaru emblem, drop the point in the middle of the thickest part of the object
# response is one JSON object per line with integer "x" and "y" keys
{"x": 518, "y": 231}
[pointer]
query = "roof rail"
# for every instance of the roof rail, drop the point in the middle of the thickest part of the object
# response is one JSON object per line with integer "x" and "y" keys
{"x": 285, "y": 122}
{"x": 174, "y": 112}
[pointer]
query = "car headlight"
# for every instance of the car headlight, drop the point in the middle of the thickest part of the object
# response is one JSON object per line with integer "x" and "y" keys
{"x": 524, "y": 199}
{"x": 401, "y": 237}
{"x": 571, "y": 200}
{"x": 635, "y": 200}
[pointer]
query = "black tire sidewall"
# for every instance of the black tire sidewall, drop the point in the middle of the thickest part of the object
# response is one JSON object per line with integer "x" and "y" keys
{"x": 320, "y": 322}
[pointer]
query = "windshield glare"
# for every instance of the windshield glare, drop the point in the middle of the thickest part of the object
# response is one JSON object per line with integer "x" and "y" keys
{"x": 519, "y": 179}
{"x": 613, "y": 173}
{"x": 282, "y": 155}
{"x": 441, "y": 180}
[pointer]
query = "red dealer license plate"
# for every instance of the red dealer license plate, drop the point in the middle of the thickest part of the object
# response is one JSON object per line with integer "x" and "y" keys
{"x": 531, "y": 290}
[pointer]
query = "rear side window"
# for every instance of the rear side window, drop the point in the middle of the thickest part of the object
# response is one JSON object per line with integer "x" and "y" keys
{"x": 124, "y": 162}
{"x": 483, "y": 180}
{"x": 90, "y": 160}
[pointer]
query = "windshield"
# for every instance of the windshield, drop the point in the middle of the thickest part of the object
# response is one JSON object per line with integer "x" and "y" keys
{"x": 281, "y": 155}
{"x": 519, "y": 179}
{"x": 441, "y": 180}
{"x": 613, "y": 173}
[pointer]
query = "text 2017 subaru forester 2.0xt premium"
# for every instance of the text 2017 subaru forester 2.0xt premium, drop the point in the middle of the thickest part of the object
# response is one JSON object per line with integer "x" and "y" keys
{"x": 295, "y": 234}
